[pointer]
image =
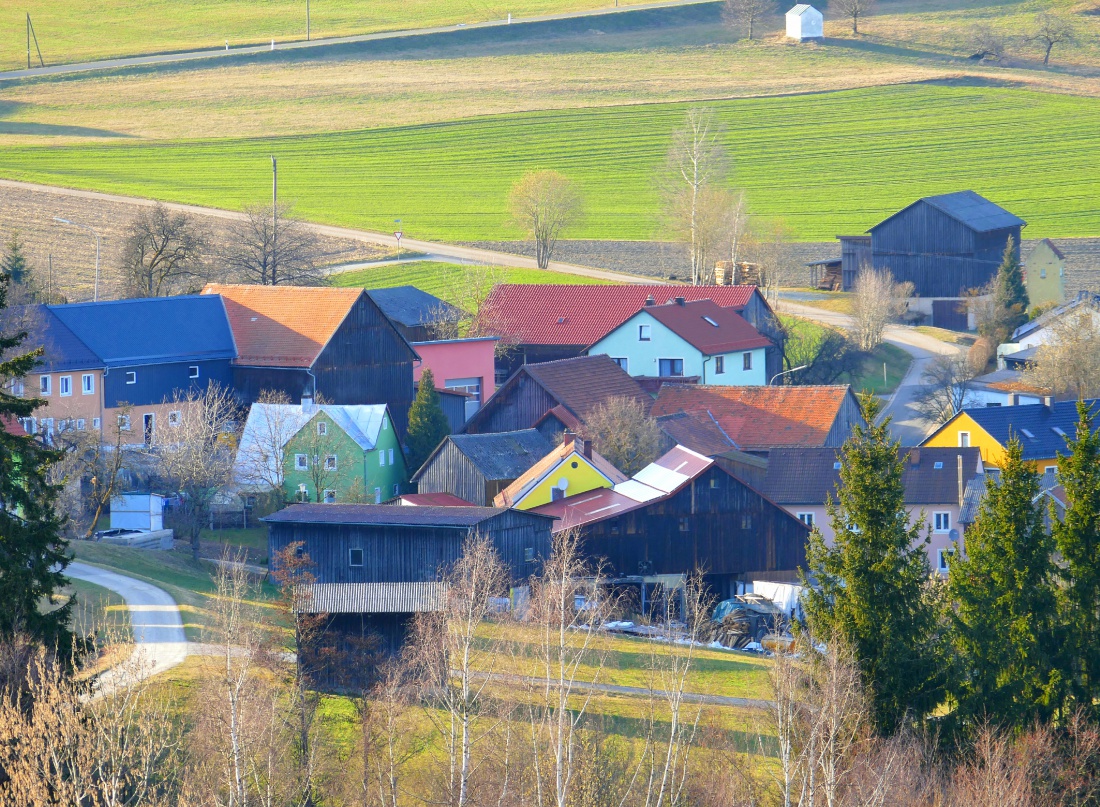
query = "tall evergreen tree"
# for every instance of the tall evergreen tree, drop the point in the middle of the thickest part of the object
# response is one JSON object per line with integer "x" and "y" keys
{"x": 428, "y": 426}
{"x": 14, "y": 262}
{"x": 1009, "y": 291}
{"x": 873, "y": 587}
{"x": 1077, "y": 538}
{"x": 32, "y": 549}
{"x": 1005, "y": 608}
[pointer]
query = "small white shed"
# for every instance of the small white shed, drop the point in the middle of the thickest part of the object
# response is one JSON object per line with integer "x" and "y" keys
{"x": 137, "y": 511}
{"x": 804, "y": 23}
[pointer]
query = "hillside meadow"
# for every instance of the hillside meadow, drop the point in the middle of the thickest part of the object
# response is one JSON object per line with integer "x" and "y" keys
{"x": 825, "y": 163}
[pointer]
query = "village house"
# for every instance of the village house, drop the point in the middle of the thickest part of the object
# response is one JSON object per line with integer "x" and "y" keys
{"x": 570, "y": 468}
{"x": 1041, "y": 428}
{"x": 1083, "y": 311}
{"x": 555, "y": 396}
{"x": 805, "y": 24}
{"x": 802, "y": 480}
{"x": 460, "y": 366}
{"x": 476, "y": 467}
{"x": 322, "y": 342}
{"x": 699, "y": 340}
{"x": 1045, "y": 275}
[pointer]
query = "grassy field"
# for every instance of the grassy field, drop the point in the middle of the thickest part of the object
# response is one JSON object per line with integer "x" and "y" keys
{"x": 871, "y": 378}
{"x": 829, "y": 163}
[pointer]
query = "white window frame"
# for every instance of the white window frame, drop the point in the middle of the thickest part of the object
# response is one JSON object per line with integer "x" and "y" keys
{"x": 131, "y": 376}
{"x": 645, "y": 333}
{"x": 746, "y": 361}
{"x": 378, "y": 495}
{"x": 96, "y": 424}
{"x": 65, "y": 382}
{"x": 301, "y": 462}
{"x": 719, "y": 365}
{"x": 81, "y": 424}
{"x": 87, "y": 384}
{"x": 322, "y": 428}
{"x": 18, "y": 387}
{"x": 381, "y": 458}
{"x": 941, "y": 558}
{"x": 391, "y": 457}
{"x": 193, "y": 371}
{"x": 941, "y": 521}
{"x": 331, "y": 462}
{"x": 45, "y": 384}
{"x": 124, "y": 423}
{"x": 328, "y": 496}
{"x": 964, "y": 440}
{"x": 807, "y": 519}
{"x": 670, "y": 359}
{"x": 174, "y": 418}
{"x": 362, "y": 557}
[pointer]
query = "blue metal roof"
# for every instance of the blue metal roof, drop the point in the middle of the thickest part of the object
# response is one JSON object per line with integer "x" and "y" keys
{"x": 1041, "y": 429}
{"x": 124, "y": 333}
{"x": 62, "y": 349}
{"x": 969, "y": 208}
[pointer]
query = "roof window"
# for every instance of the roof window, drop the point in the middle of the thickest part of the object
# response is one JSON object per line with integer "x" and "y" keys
{"x": 938, "y": 466}
{"x": 836, "y": 466}
{"x": 1027, "y": 434}
{"x": 711, "y": 322}
{"x": 1058, "y": 431}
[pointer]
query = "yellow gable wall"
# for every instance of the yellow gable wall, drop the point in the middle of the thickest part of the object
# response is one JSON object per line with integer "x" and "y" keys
{"x": 992, "y": 452}
{"x": 582, "y": 479}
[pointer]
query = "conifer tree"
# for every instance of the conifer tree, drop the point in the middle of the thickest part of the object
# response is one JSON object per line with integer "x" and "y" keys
{"x": 14, "y": 263}
{"x": 1009, "y": 291}
{"x": 428, "y": 425}
{"x": 1005, "y": 610}
{"x": 873, "y": 588}
{"x": 1077, "y": 539}
{"x": 32, "y": 549}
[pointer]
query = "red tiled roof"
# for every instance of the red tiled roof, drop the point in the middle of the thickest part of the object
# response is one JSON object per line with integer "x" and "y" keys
{"x": 708, "y": 327}
{"x": 546, "y": 314}
{"x": 583, "y": 383}
{"x": 283, "y": 326}
{"x": 758, "y": 418}
{"x": 12, "y": 426}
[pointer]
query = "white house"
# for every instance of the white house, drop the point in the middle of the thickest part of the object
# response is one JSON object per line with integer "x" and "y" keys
{"x": 699, "y": 339}
{"x": 805, "y": 22}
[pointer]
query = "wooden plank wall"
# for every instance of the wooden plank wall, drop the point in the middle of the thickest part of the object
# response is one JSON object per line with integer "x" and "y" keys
{"x": 450, "y": 471}
{"x": 518, "y": 405}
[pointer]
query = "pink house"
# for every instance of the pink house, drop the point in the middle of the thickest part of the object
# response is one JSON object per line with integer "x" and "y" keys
{"x": 465, "y": 365}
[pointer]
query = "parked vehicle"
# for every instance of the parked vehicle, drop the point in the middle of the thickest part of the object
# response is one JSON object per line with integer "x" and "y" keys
{"x": 747, "y": 618}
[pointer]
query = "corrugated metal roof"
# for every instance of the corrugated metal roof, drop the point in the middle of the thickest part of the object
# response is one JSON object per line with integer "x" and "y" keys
{"x": 706, "y": 326}
{"x": 384, "y": 514}
{"x": 969, "y": 208}
{"x": 63, "y": 349}
{"x": 548, "y": 314}
{"x": 503, "y": 455}
{"x": 801, "y": 9}
{"x": 372, "y": 598}
{"x": 124, "y": 333}
{"x": 972, "y": 499}
{"x": 411, "y": 307}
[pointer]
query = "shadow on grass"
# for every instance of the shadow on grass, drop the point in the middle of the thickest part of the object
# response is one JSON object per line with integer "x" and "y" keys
{"x": 8, "y": 108}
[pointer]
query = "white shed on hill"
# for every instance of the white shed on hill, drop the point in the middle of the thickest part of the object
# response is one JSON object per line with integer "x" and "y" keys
{"x": 805, "y": 22}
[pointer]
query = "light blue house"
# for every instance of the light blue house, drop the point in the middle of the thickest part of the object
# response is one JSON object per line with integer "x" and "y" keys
{"x": 680, "y": 339}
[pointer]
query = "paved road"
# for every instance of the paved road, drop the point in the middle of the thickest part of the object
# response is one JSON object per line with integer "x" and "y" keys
{"x": 907, "y": 425}
{"x": 303, "y": 45}
{"x": 154, "y": 618}
{"x": 436, "y": 250}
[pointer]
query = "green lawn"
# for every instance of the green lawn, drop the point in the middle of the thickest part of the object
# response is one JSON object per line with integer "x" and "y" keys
{"x": 897, "y": 363}
{"x": 829, "y": 163}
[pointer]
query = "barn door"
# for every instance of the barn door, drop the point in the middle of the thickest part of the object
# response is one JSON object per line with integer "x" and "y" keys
{"x": 950, "y": 314}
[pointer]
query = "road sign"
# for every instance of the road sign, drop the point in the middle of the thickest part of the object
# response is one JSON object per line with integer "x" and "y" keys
{"x": 397, "y": 235}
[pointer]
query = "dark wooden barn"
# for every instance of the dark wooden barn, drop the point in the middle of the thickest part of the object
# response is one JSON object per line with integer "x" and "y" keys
{"x": 476, "y": 467}
{"x": 944, "y": 245}
{"x": 419, "y": 316}
{"x": 685, "y": 512}
{"x": 330, "y": 342}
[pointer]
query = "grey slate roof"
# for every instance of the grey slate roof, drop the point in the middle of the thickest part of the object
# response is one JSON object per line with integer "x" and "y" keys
{"x": 125, "y": 333}
{"x": 384, "y": 515}
{"x": 1034, "y": 424}
{"x": 411, "y": 307}
{"x": 504, "y": 455}
{"x": 972, "y": 499}
{"x": 373, "y": 598}
{"x": 809, "y": 475}
{"x": 969, "y": 208}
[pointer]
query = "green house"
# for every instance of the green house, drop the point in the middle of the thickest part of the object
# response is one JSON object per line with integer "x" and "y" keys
{"x": 344, "y": 454}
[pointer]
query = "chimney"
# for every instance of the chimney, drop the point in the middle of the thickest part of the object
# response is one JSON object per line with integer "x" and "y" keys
{"x": 1013, "y": 399}
{"x": 650, "y": 301}
{"x": 679, "y": 300}
{"x": 568, "y": 438}
{"x": 962, "y": 485}
{"x": 1048, "y": 401}
{"x": 307, "y": 403}
{"x": 914, "y": 457}
{"x": 584, "y": 447}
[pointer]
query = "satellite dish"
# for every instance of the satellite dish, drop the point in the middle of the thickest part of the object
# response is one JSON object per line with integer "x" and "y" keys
{"x": 953, "y": 535}
{"x": 563, "y": 483}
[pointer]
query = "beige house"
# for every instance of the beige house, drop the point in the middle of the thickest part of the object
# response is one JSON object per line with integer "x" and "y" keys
{"x": 1045, "y": 274}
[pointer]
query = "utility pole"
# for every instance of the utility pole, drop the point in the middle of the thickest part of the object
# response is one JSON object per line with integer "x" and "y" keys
{"x": 30, "y": 34}
{"x": 307, "y": 20}
{"x": 274, "y": 218}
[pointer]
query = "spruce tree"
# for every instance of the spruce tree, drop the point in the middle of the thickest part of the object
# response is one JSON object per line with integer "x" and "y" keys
{"x": 428, "y": 425}
{"x": 872, "y": 586}
{"x": 14, "y": 263}
{"x": 32, "y": 549}
{"x": 1077, "y": 539}
{"x": 1005, "y": 608}
{"x": 1009, "y": 291}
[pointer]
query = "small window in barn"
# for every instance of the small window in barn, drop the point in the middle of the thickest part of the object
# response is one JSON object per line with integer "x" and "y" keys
{"x": 355, "y": 557}
{"x": 330, "y": 462}
{"x": 615, "y": 528}
{"x": 644, "y": 333}
{"x": 322, "y": 428}
{"x": 746, "y": 359}
{"x": 301, "y": 462}
{"x": 720, "y": 365}
{"x": 746, "y": 521}
{"x": 193, "y": 371}
{"x": 300, "y": 550}
{"x": 529, "y": 554}
{"x": 329, "y": 497}
{"x": 131, "y": 377}
{"x": 714, "y": 483}
{"x": 685, "y": 524}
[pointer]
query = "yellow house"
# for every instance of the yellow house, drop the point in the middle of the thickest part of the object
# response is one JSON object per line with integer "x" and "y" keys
{"x": 1041, "y": 428}
{"x": 571, "y": 468}
{"x": 1045, "y": 274}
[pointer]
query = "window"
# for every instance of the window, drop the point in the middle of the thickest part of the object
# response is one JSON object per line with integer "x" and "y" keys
{"x": 330, "y": 462}
{"x": 174, "y": 418}
{"x": 529, "y": 554}
{"x": 131, "y": 377}
{"x": 301, "y": 462}
{"x": 124, "y": 423}
{"x": 193, "y": 371}
{"x": 1043, "y": 272}
{"x": 148, "y": 427}
{"x": 378, "y": 495}
{"x": 471, "y": 386}
{"x": 644, "y": 333}
{"x": 95, "y": 423}
{"x": 556, "y": 493}
{"x": 807, "y": 519}
{"x": 17, "y": 387}
{"x": 937, "y": 466}
{"x": 670, "y": 367}
{"x": 836, "y": 466}
{"x": 941, "y": 522}
{"x": 391, "y": 456}
{"x": 719, "y": 365}
{"x": 385, "y": 423}
{"x": 396, "y": 490}
{"x": 622, "y": 362}
{"x": 87, "y": 384}
{"x": 711, "y": 322}
{"x": 964, "y": 439}
{"x": 44, "y": 384}
{"x": 329, "y": 497}
{"x": 941, "y": 558}
{"x": 355, "y": 556}
{"x": 381, "y": 458}
{"x": 322, "y": 428}
{"x": 746, "y": 360}
{"x": 47, "y": 426}
{"x": 30, "y": 425}
{"x": 685, "y": 524}
{"x": 81, "y": 424}
{"x": 65, "y": 385}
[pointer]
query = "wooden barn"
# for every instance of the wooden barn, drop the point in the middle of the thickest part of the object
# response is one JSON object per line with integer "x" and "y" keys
{"x": 377, "y": 565}
{"x": 944, "y": 245}
{"x": 331, "y": 342}
{"x": 681, "y": 513}
{"x": 476, "y": 467}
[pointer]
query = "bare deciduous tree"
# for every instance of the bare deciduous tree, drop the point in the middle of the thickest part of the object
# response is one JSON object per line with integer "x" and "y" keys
{"x": 986, "y": 42}
{"x": 164, "y": 250}
{"x": 261, "y": 456}
{"x": 544, "y": 203}
{"x": 623, "y": 432}
{"x": 854, "y": 10}
{"x": 695, "y": 165}
{"x": 745, "y": 15}
{"x": 1069, "y": 362}
{"x": 877, "y": 301}
{"x": 272, "y": 248}
{"x": 89, "y": 472}
{"x": 946, "y": 388}
{"x": 1052, "y": 30}
{"x": 825, "y": 354}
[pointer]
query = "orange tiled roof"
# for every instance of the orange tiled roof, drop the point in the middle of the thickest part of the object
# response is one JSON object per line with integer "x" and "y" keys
{"x": 283, "y": 326}
{"x": 758, "y": 418}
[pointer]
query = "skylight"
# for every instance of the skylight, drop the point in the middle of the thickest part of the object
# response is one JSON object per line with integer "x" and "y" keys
{"x": 836, "y": 466}
{"x": 712, "y": 322}
{"x": 1058, "y": 431}
{"x": 938, "y": 466}
{"x": 1027, "y": 434}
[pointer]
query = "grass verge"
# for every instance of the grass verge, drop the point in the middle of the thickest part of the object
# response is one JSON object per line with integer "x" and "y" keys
{"x": 871, "y": 379}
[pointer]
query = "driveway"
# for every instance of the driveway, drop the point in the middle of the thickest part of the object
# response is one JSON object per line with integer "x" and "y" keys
{"x": 906, "y": 423}
{"x": 154, "y": 618}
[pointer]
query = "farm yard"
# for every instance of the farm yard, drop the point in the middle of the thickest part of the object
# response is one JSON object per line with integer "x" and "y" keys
{"x": 870, "y": 152}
